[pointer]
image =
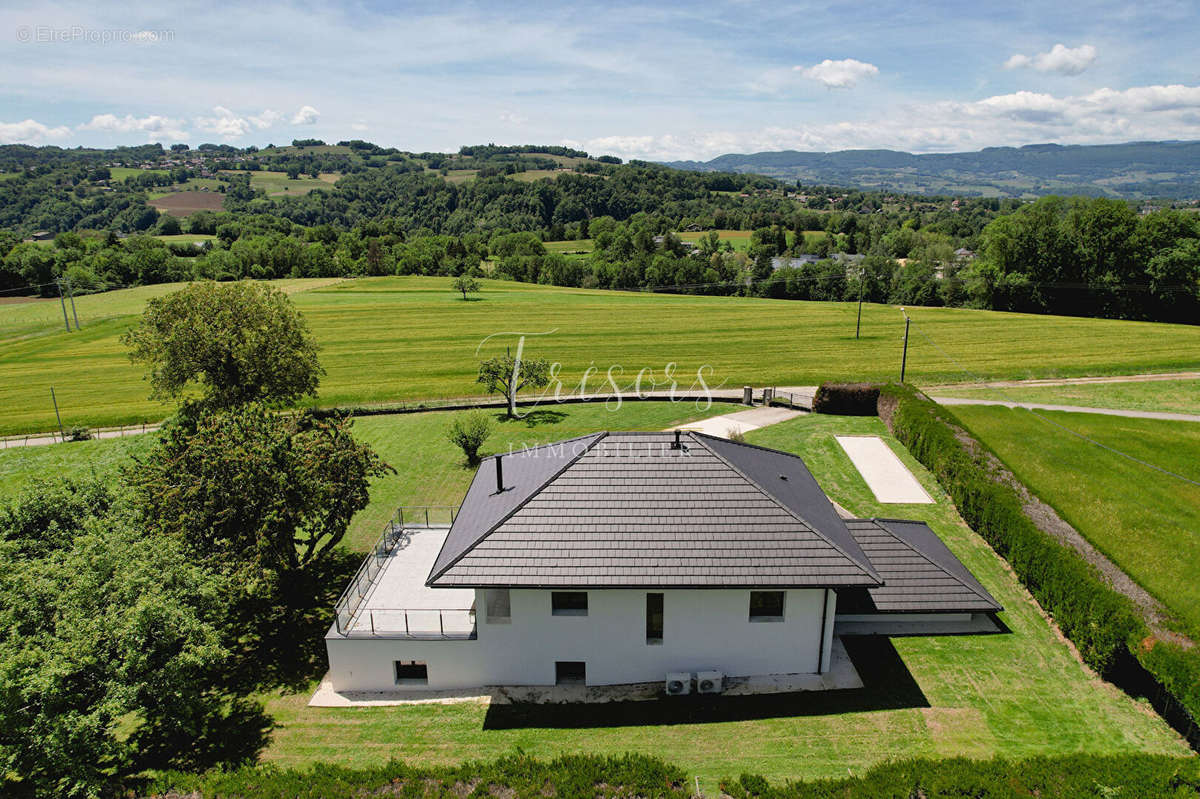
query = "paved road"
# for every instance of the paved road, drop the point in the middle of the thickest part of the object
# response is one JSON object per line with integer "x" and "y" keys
{"x": 1068, "y": 381}
{"x": 1042, "y": 406}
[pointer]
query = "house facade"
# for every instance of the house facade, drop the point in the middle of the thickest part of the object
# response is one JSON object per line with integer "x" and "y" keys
{"x": 622, "y": 558}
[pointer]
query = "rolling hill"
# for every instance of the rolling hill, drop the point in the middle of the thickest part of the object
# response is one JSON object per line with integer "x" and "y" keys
{"x": 1137, "y": 170}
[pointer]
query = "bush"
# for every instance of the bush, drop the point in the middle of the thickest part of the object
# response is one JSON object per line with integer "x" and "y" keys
{"x": 847, "y": 399}
{"x": 519, "y": 777}
{"x": 79, "y": 434}
{"x": 1143, "y": 776}
{"x": 469, "y": 431}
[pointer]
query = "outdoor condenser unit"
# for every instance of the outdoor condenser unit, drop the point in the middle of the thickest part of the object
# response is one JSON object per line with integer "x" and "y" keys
{"x": 678, "y": 683}
{"x": 710, "y": 682}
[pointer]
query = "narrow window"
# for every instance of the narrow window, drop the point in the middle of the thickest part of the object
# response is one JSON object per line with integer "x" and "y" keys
{"x": 570, "y": 672}
{"x": 568, "y": 603}
{"x": 499, "y": 609}
{"x": 766, "y": 606}
{"x": 654, "y": 618}
{"x": 411, "y": 672}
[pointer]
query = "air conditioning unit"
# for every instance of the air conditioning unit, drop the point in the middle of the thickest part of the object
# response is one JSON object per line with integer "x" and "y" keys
{"x": 678, "y": 683}
{"x": 710, "y": 682}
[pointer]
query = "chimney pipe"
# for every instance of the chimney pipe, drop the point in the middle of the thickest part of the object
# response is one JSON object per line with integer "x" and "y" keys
{"x": 678, "y": 443}
{"x": 499, "y": 474}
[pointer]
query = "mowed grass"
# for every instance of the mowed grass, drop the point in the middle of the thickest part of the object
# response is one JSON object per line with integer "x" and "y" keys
{"x": 186, "y": 238}
{"x": 1147, "y": 522}
{"x": 577, "y": 246}
{"x": 1017, "y": 695}
{"x": 1177, "y": 396}
{"x": 123, "y": 172}
{"x": 278, "y": 183}
{"x": 740, "y": 239}
{"x": 403, "y": 338}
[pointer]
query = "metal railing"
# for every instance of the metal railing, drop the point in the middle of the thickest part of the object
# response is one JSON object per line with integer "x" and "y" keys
{"x": 394, "y": 535}
{"x": 434, "y": 624}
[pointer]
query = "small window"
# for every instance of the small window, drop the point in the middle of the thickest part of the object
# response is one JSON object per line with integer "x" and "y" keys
{"x": 654, "y": 618}
{"x": 568, "y": 603}
{"x": 570, "y": 672}
{"x": 499, "y": 609}
{"x": 411, "y": 672}
{"x": 766, "y": 606}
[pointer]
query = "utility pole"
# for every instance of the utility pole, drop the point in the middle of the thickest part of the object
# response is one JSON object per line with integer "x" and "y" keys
{"x": 63, "y": 303}
{"x": 71, "y": 297}
{"x": 62, "y": 435}
{"x": 904, "y": 358}
{"x": 861, "y": 281}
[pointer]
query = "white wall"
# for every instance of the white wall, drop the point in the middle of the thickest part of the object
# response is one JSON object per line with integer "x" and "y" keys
{"x": 702, "y": 629}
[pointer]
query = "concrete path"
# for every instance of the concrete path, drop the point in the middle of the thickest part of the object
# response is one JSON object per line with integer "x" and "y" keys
{"x": 1068, "y": 381}
{"x": 41, "y": 439}
{"x": 1042, "y": 406}
{"x": 886, "y": 475}
{"x": 726, "y": 424}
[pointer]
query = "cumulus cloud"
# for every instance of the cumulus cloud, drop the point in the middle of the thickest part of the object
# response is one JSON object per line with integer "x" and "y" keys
{"x": 1098, "y": 117}
{"x": 30, "y": 131}
{"x": 154, "y": 126}
{"x": 230, "y": 125}
{"x": 1060, "y": 58}
{"x": 844, "y": 74}
{"x": 307, "y": 115}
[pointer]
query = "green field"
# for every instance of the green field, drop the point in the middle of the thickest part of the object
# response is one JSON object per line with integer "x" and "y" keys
{"x": 1015, "y": 695}
{"x": 186, "y": 238}
{"x": 578, "y": 246}
{"x": 122, "y": 172}
{"x": 740, "y": 239}
{"x": 278, "y": 183}
{"x": 1148, "y": 523}
{"x": 398, "y": 338}
{"x": 1178, "y": 396}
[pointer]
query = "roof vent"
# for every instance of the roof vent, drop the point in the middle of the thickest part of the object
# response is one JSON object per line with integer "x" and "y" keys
{"x": 678, "y": 443}
{"x": 499, "y": 474}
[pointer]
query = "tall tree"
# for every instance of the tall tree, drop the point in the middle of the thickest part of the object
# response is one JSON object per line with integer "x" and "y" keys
{"x": 508, "y": 375}
{"x": 234, "y": 343}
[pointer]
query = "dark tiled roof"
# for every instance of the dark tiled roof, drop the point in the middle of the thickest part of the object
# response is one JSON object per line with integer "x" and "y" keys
{"x": 629, "y": 510}
{"x": 920, "y": 574}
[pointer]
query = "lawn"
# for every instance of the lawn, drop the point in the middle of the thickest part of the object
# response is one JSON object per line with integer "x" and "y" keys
{"x": 577, "y": 246}
{"x": 1145, "y": 521}
{"x": 279, "y": 184}
{"x": 123, "y": 172}
{"x": 1180, "y": 396}
{"x": 186, "y": 238}
{"x": 740, "y": 239}
{"x": 398, "y": 338}
{"x": 1016, "y": 694}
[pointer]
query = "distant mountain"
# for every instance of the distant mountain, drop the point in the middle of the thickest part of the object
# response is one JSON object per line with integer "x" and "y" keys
{"x": 1137, "y": 170}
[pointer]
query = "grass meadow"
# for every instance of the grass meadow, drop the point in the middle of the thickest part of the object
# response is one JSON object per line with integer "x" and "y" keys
{"x": 1147, "y": 522}
{"x": 1177, "y": 396}
{"x": 405, "y": 338}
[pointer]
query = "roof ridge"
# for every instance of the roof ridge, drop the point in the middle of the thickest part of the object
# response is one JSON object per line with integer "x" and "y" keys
{"x": 868, "y": 568}
{"x": 879, "y": 522}
{"x": 596, "y": 438}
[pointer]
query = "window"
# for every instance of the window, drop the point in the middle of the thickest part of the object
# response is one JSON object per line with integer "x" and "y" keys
{"x": 654, "y": 618}
{"x": 568, "y": 603}
{"x": 766, "y": 606}
{"x": 570, "y": 672}
{"x": 411, "y": 672}
{"x": 499, "y": 610}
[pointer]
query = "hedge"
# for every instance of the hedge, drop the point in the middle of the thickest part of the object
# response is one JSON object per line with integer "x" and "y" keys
{"x": 1102, "y": 623}
{"x": 515, "y": 777}
{"x": 846, "y": 399}
{"x": 1142, "y": 776}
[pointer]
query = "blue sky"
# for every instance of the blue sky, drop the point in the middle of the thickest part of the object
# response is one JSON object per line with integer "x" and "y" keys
{"x": 649, "y": 80}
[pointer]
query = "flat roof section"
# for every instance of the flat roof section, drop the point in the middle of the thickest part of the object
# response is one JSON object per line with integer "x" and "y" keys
{"x": 400, "y": 601}
{"x": 885, "y": 474}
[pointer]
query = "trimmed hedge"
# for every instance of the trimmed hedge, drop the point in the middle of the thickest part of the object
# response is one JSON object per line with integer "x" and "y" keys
{"x": 846, "y": 399}
{"x": 1142, "y": 776}
{"x": 516, "y": 777}
{"x": 1102, "y": 623}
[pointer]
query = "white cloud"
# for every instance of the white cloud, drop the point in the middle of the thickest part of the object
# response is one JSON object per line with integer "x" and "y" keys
{"x": 265, "y": 120}
{"x": 1061, "y": 59}
{"x": 844, "y": 74}
{"x": 30, "y": 132}
{"x": 307, "y": 115}
{"x": 154, "y": 126}
{"x": 1099, "y": 117}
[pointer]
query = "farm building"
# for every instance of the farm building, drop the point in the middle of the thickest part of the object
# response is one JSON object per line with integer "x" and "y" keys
{"x": 622, "y": 558}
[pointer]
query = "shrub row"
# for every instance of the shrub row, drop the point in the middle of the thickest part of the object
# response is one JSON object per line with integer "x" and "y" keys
{"x": 1102, "y": 623}
{"x": 846, "y": 399}
{"x": 1143, "y": 776}
{"x": 514, "y": 777}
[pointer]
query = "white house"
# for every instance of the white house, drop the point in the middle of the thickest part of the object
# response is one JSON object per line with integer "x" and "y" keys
{"x": 621, "y": 558}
